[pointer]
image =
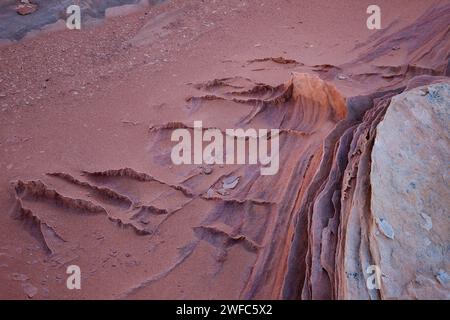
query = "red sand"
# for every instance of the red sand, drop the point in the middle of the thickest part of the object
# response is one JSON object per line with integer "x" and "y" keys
{"x": 80, "y": 104}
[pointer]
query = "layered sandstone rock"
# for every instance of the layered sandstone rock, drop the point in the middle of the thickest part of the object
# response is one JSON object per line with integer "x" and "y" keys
{"x": 362, "y": 187}
{"x": 240, "y": 238}
{"x": 364, "y": 214}
{"x": 378, "y": 207}
{"x": 355, "y": 191}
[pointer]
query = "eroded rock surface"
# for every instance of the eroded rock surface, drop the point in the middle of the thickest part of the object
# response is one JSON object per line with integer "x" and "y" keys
{"x": 410, "y": 190}
{"x": 362, "y": 185}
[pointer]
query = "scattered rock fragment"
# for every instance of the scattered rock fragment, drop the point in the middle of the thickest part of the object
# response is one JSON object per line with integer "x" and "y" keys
{"x": 210, "y": 193}
{"x": 26, "y": 7}
{"x": 206, "y": 169}
{"x": 113, "y": 253}
{"x": 423, "y": 91}
{"x": 222, "y": 192}
{"x": 443, "y": 277}
{"x": 230, "y": 182}
{"x": 20, "y": 277}
{"x": 428, "y": 223}
{"x": 30, "y": 290}
{"x": 385, "y": 228}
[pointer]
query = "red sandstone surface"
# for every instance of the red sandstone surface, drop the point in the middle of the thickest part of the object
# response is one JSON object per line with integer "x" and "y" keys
{"x": 87, "y": 179}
